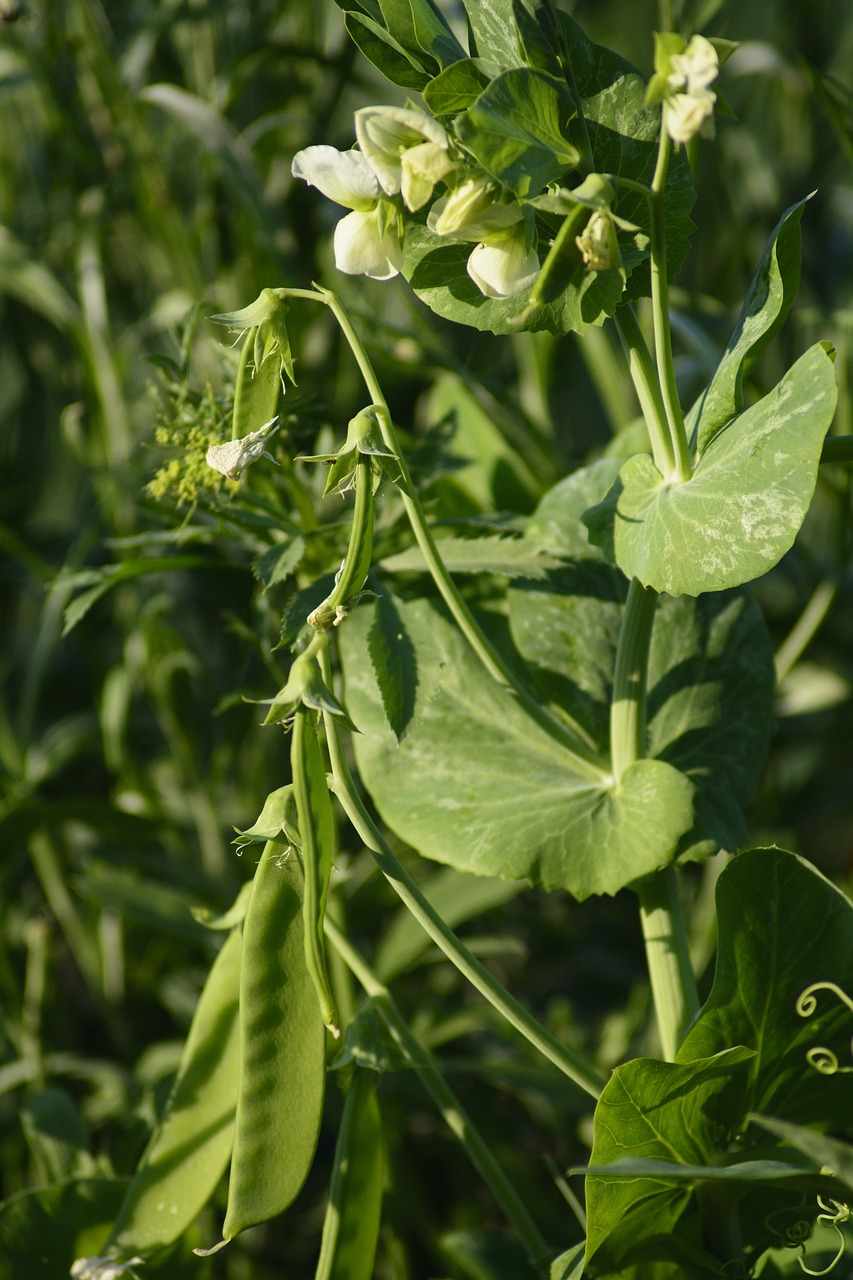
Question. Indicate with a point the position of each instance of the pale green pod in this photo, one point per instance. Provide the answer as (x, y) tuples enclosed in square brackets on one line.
[(351, 1225)]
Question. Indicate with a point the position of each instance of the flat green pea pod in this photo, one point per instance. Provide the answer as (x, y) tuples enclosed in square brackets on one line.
[(317, 832), (282, 1051), (351, 1226), (256, 390), (189, 1152)]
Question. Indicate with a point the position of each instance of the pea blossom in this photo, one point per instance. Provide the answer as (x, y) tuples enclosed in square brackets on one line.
[(504, 261), (690, 102), (367, 241), (407, 150)]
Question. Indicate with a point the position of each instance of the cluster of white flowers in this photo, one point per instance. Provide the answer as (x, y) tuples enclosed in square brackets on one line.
[(691, 102), (405, 152)]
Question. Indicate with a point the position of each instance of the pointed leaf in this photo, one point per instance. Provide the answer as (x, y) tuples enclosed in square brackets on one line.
[(744, 505), (768, 301)]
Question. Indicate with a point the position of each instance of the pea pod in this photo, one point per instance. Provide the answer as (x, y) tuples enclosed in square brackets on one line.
[(282, 1051), (356, 566), (256, 390), (317, 832), (351, 1225), (189, 1152)]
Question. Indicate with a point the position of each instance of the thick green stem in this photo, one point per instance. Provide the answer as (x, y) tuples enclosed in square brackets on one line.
[(664, 930), (628, 707), (668, 958), (586, 760), (805, 628), (646, 383), (448, 1104), (682, 469), (585, 1076)]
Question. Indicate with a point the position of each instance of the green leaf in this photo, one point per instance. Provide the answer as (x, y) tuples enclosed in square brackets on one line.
[(398, 17), (539, 34), (569, 1265), (744, 505), (43, 1232), (827, 1153), (624, 133), (518, 130), (280, 561), (351, 1224), (433, 34), (493, 30), (282, 1057), (782, 926), (505, 556), (768, 301), (659, 1111), (458, 86), (503, 798), (393, 658), (100, 581), (56, 1134), (710, 678), (189, 1152), (158, 905), (384, 52)]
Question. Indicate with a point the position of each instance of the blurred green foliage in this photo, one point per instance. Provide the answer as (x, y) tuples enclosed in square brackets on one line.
[(145, 158)]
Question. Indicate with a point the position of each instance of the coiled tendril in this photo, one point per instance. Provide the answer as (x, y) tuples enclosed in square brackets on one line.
[(797, 1233), (820, 1057)]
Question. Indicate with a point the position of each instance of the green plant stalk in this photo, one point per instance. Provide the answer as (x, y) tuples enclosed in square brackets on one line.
[(583, 1075), (646, 384), (682, 470), (664, 931), (447, 1103), (586, 760), (354, 570), (805, 628)]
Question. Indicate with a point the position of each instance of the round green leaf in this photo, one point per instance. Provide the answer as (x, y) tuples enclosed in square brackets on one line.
[(476, 784), (744, 505)]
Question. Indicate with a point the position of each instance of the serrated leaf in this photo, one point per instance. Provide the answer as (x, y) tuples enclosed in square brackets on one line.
[(744, 505), (769, 299), (280, 561), (405, 680), (506, 557), (504, 798)]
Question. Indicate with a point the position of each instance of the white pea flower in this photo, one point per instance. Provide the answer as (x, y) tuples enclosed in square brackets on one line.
[(406, 149), (690, 102), (232, 458), (505, 263), (367, 241)]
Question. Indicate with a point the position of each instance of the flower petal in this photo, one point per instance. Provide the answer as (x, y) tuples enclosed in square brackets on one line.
[(470, 213), (363, 248), (386, 133), (505, 266), (343, 176)]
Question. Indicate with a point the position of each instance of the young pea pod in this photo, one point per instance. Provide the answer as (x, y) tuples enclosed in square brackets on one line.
[(564, 262), (317, 832), (282, 1051), (351, 1225), (356, 566), (189, 1152)]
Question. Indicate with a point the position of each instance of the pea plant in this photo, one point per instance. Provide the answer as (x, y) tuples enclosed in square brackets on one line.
[(580, 701)]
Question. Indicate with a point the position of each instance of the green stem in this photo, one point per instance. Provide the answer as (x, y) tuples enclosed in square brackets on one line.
[(646, 383), (447, 1103), (668, 958), (805, 628), (586, 759), (682, 469), (585, 1076), (664, 930), (628, 706)]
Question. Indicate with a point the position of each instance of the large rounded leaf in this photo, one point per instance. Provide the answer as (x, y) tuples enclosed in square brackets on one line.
[(477, 784)]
